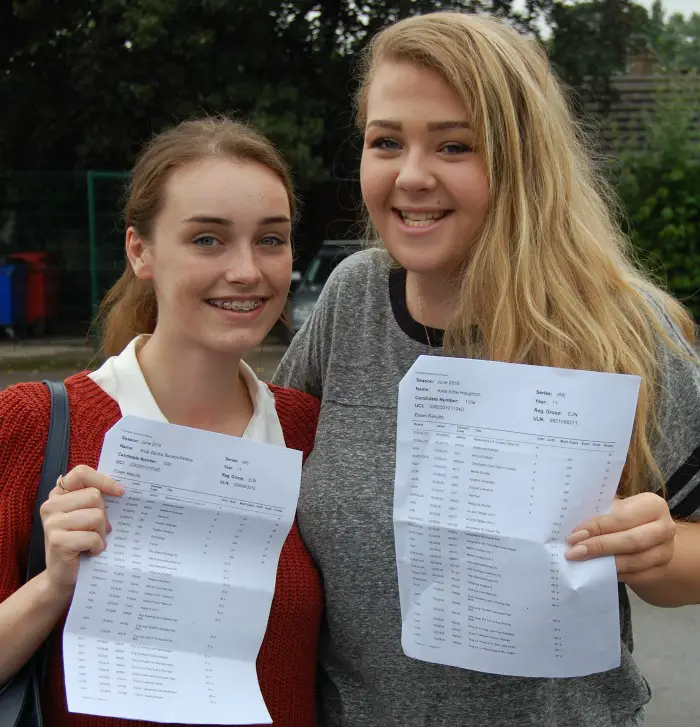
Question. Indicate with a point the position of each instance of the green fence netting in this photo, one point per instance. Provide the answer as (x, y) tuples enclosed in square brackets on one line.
[(74, 218)]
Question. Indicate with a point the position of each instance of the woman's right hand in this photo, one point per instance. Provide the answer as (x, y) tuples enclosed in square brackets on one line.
[(75, 522)]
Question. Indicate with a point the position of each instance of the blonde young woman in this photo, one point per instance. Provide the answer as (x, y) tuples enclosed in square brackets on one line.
[(209, 218), (494, 240)]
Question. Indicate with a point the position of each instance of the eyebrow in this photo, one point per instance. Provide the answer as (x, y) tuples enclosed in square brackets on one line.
[(224, 222), (447, 125), (432, 125)]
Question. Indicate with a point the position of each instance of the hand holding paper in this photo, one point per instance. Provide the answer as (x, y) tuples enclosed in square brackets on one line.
[(75, 522), (639, 531)]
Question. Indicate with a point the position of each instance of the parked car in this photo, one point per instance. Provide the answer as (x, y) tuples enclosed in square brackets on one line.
[(309, 288)]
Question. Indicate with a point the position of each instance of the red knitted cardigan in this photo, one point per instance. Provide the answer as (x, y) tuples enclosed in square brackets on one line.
[(287, 661)]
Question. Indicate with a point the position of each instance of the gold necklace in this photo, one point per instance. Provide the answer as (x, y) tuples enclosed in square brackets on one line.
[(425, 328)]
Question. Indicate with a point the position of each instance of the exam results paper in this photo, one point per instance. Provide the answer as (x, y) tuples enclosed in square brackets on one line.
[(496, 463), (166, 624)]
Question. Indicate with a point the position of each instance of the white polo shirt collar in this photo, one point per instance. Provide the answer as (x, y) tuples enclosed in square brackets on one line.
[(121, 377)]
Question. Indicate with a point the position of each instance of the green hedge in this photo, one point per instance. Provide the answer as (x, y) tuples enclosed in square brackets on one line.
[(659, 187)]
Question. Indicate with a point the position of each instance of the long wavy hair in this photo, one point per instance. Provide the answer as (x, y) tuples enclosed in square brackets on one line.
[(551, 279), (130, 307)]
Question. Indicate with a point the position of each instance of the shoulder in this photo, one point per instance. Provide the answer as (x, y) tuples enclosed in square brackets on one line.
[(25, 411), (678, 361), (356, 274), (23, 404), (34, 396), (84, 391), (26, 407), (295, 403), (360, 281), (657, 305), (298, 413), (24, 424), (366, 260), (676, 447), (678, 366), (366, 264)]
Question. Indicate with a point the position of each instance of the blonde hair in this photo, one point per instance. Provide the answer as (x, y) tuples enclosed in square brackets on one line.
[(130, 307), (550, 278)]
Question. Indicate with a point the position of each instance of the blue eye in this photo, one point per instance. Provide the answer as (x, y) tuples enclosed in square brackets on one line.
[(206, 241), (385, 144), (272, 241), (453, 147)]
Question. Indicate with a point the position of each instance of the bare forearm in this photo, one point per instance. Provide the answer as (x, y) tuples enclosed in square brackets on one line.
[(27, 617), (680, 584)]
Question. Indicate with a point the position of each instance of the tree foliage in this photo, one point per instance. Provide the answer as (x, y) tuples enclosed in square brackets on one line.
[(83, 82), (674, 39), (659, 186), (592, 41)]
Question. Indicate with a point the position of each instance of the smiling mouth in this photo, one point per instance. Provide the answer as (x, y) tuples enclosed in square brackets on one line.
[(240, 306), (421, 219)]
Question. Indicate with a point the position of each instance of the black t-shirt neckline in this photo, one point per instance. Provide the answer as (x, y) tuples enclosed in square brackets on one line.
[(411, 327)]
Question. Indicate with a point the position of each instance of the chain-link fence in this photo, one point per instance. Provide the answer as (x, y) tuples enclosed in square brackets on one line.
[(68, 225)]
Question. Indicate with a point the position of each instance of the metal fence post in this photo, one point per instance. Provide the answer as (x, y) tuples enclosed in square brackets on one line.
[(92, 256), (93, 176), (92, 236)]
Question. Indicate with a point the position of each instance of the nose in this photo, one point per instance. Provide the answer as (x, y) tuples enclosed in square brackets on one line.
[(242, 268), (415, 174)]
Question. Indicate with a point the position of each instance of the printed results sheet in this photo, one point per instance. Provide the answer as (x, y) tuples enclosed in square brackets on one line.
[(495, 465), (166, 624)]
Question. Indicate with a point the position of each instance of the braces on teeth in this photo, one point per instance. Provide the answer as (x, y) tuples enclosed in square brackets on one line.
[(235, 305)]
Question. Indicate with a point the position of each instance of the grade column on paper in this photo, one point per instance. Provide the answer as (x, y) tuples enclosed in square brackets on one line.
[(455, 538), (570, 459), (238, 538), (582, 470)]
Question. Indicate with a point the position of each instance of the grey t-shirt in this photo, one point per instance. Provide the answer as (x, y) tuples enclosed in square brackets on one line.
[(352, 353)]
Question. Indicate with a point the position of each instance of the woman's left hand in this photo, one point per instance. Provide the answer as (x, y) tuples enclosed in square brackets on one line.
[(638, 531)]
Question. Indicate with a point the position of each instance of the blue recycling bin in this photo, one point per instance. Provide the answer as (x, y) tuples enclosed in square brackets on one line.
[(13, 295)]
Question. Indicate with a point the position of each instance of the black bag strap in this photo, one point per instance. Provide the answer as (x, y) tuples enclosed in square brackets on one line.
[(55, 464)]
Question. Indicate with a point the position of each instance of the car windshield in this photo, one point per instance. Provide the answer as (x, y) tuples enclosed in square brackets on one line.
[(322, 266)]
